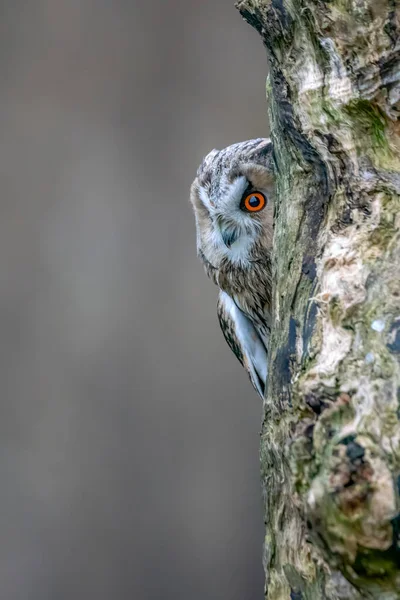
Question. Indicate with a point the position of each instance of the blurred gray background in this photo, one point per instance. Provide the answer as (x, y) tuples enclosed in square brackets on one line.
[(129, 433)]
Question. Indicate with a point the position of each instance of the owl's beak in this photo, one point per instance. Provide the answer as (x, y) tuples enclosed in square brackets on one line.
[(229, 234)]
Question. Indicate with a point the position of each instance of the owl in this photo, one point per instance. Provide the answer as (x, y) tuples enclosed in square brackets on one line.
[(233, 197)]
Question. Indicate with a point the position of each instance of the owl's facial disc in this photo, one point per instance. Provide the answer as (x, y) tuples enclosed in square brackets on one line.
[(233, 198), (231, 223), (233, 226)]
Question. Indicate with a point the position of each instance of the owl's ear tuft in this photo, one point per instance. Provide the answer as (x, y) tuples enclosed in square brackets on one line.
[(263, 153)]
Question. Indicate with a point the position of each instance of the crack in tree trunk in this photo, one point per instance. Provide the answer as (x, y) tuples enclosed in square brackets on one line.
[(330, 444)]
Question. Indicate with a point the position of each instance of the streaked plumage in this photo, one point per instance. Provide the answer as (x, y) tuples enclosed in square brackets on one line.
[(235, 245)]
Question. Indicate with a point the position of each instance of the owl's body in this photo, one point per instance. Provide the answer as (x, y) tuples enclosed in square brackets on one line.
[(232, 197)]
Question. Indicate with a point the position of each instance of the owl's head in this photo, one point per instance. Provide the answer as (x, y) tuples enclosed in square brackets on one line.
[(232, 197)]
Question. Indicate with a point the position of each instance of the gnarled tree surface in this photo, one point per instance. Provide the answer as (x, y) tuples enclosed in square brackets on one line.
[(330, 448)]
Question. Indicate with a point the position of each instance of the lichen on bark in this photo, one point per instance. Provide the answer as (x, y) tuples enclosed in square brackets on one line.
[(330, 444)]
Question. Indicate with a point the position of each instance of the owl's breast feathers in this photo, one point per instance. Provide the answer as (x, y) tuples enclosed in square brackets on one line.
[(250, 288)]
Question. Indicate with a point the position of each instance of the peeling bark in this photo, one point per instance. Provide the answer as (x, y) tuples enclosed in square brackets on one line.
[(330, 444)]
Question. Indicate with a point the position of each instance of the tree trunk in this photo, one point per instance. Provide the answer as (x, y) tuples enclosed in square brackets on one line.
[(330, 444)]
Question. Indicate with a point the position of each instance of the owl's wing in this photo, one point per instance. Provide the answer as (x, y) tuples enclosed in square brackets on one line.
[(243, 340)]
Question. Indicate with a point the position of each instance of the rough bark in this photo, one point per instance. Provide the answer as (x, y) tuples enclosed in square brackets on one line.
[(330, 443)]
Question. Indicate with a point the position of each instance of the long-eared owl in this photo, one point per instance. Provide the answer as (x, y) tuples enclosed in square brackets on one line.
[(233, 197)]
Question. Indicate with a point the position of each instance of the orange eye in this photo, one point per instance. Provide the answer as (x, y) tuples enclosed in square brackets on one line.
[(254, 202)]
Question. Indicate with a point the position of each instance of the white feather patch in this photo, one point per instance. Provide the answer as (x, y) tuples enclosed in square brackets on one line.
[(235, 192), (250, 342)]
